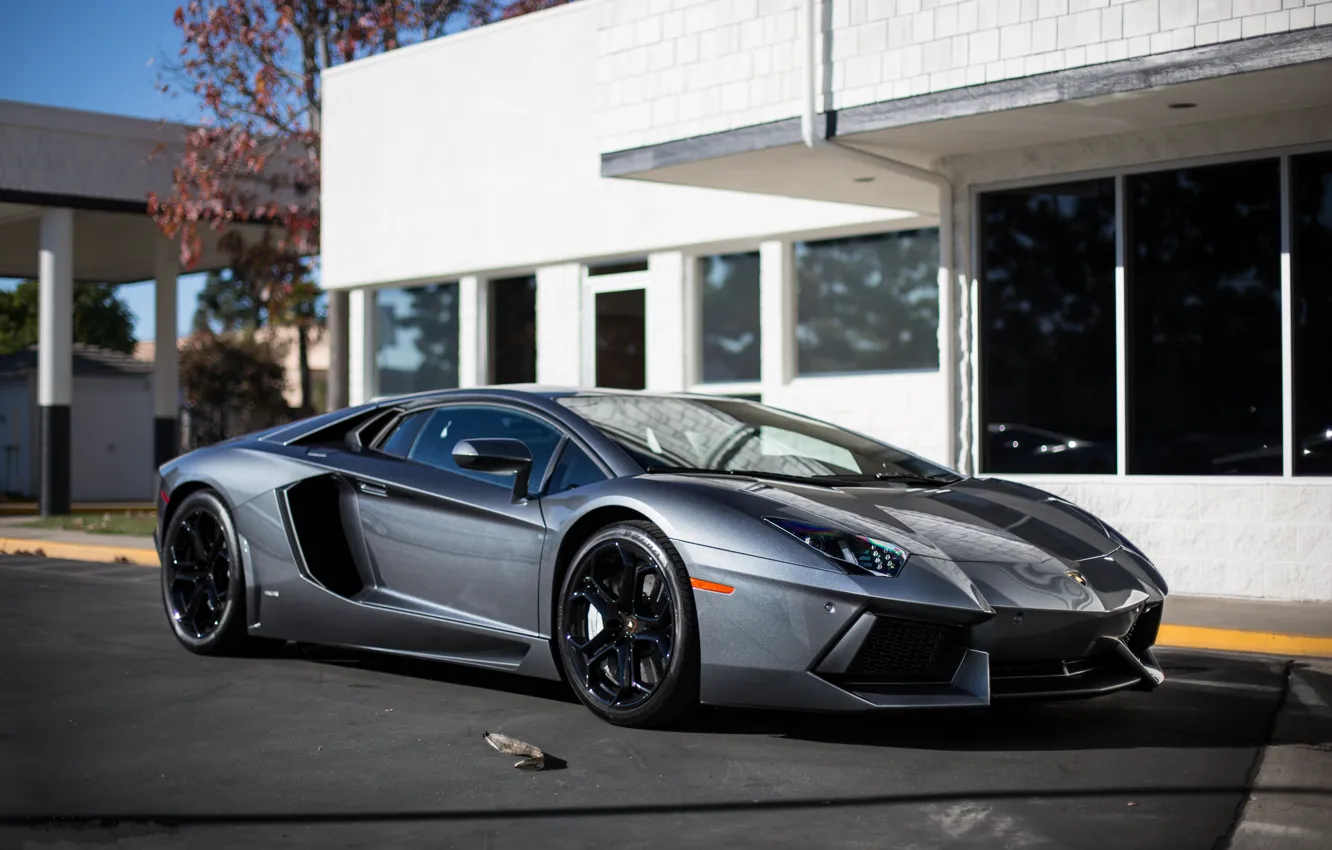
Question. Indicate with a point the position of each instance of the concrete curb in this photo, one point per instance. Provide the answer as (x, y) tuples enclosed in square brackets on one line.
[(1171, 635), (1235, 640), (110, 554)]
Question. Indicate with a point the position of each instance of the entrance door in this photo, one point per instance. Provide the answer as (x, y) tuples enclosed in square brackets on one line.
[(621, 339)]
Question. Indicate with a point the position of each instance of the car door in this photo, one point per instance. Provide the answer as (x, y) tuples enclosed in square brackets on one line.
[(446, 541)]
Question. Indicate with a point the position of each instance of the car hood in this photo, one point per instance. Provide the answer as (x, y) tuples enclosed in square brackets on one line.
[(1017, 544)]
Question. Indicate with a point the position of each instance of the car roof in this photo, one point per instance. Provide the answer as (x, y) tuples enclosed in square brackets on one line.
[(545, 391)]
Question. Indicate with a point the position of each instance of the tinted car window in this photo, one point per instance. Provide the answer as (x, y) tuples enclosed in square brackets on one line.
[(574, 469), (399, 443), (447, 425)]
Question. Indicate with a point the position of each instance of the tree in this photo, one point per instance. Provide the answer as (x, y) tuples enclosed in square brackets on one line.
[(233, 385), (265, 288), (100, 317), (255, 66)]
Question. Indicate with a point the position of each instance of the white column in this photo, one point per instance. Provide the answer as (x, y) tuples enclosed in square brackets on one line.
[(55, 304), (55, 340), (777, 314), (473, 331), (664, 303), (362, 324), (559, 309), (166, 357)]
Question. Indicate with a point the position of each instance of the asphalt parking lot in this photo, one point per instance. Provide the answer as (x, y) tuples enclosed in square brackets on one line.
[(111, 734)]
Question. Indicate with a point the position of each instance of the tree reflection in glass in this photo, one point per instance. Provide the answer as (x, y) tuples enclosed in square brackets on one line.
[(417, 347), (1047, 324), (869, 303)]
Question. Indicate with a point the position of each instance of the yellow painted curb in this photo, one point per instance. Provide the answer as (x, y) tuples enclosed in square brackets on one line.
[(1235, 640), (80, 551)]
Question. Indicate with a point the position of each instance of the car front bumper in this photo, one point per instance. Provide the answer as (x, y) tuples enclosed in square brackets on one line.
[(794, 637)]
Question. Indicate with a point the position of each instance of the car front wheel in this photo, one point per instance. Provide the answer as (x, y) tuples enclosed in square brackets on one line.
[(626, 627)]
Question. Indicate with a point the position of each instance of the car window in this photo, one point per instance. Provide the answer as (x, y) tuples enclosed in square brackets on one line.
[(447, 425), (574, 469), (399, 443)]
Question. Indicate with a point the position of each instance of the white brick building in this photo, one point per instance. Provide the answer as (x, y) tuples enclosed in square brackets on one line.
[(1079, 243)]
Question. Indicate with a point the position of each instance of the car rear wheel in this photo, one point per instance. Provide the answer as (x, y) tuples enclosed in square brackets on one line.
[(203, 585), (626, 627)]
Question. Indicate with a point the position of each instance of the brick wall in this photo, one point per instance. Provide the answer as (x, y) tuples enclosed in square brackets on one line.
[(671, 69), (1270, 539)]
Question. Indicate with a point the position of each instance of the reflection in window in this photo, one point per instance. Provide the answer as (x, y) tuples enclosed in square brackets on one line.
[(869, 303), (417, 345), (452, 423), (1311, 276), (574, 469), (731, 335), (513, 330), (1047, 322), (1205, 320)]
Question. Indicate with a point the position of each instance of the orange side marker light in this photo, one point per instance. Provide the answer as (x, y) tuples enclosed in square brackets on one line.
[(700, 584)]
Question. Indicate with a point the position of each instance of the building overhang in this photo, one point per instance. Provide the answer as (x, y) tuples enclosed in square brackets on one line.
[(1237, 79), (102, 167)]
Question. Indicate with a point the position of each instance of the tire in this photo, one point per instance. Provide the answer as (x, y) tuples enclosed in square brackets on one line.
[(652, 635), (205, 603)]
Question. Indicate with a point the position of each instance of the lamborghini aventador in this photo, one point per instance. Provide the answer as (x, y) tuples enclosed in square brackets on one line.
[(656, 551)]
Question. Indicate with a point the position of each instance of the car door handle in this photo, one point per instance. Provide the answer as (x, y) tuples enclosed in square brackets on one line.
[(373, 490)]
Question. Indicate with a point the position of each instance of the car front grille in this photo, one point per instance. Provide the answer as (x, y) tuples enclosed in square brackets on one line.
[(905, 651)]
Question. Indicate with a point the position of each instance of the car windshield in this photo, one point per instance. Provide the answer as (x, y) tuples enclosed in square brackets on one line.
[(726, 435)]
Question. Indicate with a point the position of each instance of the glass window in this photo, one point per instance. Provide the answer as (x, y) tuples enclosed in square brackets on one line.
[(1047, 324), (447, 425), (1311, 277), (868, 304), (1204, 305), (731, 334), (417, 348), (513, 330), (727, 435), (399, 443), (621, 336), (575, 468)]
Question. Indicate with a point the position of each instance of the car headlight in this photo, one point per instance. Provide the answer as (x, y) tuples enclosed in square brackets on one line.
[(854, 552)]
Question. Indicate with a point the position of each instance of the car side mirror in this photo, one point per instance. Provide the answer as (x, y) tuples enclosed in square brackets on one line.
[(499, 456)]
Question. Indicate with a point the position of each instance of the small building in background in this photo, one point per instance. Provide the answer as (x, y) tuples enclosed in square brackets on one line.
[(111, 426)]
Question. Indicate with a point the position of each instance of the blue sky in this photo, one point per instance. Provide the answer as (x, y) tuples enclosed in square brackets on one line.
[(101, 55)]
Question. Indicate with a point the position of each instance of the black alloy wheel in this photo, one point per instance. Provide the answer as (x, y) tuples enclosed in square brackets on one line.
[(628, 640), (198, 565), (203, 585)]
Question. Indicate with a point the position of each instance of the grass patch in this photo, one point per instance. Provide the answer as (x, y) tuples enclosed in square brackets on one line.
[(137, 523)]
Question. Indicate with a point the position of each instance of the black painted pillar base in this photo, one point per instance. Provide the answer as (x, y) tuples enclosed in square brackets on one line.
[(55, 459), (166, 439)]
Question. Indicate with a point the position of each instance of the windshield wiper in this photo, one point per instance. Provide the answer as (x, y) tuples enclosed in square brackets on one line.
[(904, 477), (746, 473)]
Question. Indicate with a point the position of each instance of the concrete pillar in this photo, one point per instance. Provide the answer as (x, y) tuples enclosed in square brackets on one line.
[(166, 357), (666, 325), (777, 315), (361, 332), (55, 355), (559, 308), (339, 354), (473, 332)]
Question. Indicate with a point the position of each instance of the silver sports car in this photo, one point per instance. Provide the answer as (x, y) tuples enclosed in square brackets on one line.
[(655, 551)]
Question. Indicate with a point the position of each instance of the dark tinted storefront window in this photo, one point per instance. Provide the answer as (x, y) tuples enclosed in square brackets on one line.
[(1311, 276), (868, 304), (1205, 320), (417, 345), (731, 335), (1047, 322), (513, 330), (621, 337)]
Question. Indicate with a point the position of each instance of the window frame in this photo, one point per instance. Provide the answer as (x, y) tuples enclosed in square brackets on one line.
[(565, 436), (974, 359)]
